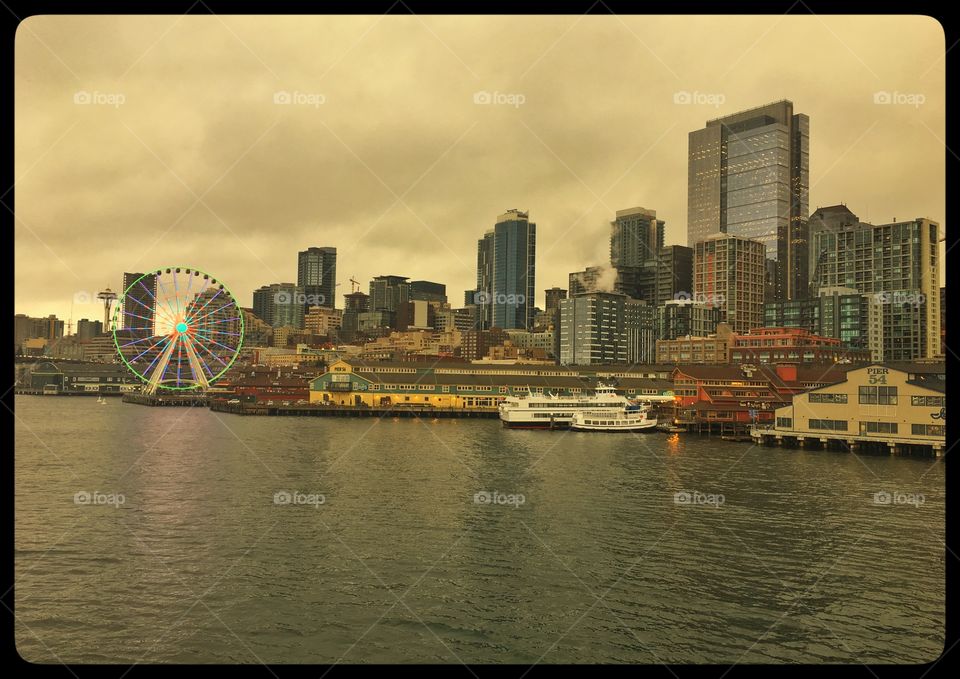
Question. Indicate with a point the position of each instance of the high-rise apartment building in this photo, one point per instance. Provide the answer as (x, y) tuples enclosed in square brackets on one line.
[(900, 264), (139, 303), (317, 276), (728, 272), (280, 304), (636, 236)]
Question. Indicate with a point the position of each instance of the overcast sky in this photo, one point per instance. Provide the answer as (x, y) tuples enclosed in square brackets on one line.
[(144, 142)]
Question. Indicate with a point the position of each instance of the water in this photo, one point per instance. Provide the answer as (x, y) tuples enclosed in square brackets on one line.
[(400, 563)]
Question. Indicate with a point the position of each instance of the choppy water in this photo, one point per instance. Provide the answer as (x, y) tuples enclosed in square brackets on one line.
[(400, 563)]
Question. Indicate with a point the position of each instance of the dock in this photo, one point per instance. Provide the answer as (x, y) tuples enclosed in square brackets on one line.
[(167, 400), (319, 410), (885, 444)]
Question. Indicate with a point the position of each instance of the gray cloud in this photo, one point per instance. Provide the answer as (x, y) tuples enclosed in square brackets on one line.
[(104, 189)]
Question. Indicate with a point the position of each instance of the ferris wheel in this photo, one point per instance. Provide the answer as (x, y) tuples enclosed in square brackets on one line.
[(177, 328)]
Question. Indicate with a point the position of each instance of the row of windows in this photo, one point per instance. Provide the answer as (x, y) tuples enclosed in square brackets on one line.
[(828, 398), (878, 427), (928, 401), (929, 430), (885, 396), (829, 425)]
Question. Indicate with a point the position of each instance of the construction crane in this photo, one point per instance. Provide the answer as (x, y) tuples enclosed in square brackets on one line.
[(354, 284)]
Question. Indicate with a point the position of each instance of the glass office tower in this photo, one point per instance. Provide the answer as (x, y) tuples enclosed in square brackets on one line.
[(749, 176)]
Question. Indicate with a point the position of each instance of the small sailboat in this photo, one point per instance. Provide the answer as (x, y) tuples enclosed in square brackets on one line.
[(101, 399)]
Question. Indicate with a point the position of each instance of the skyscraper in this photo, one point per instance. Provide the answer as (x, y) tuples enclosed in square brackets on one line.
[(898, 262), (636, 236), (428, 291), (87, 329), (605, 327), (139, 303), (830, 218), (388, 293), (748, 175), (674, 273), (279, 304), (592, 329), (506, 272), (553, 297), (484, 281), (728, 271), (317, 276)]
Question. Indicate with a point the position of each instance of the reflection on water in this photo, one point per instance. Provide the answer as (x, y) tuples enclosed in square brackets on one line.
[(612, 556)]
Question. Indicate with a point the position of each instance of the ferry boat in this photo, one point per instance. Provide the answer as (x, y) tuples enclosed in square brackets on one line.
[(632, 418), (550, 411)]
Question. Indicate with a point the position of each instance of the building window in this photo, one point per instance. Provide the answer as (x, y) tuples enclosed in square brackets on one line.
[(885, 396), (828, 398), (928, 430), (878, 427), (829, 425), (928, 401), (785, 423)]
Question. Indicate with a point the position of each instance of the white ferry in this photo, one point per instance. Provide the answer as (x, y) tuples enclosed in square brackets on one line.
[(632, 418), (549, 411)]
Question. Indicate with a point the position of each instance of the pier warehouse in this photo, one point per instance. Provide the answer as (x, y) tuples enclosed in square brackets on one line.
[(900, 407), (469, 385)]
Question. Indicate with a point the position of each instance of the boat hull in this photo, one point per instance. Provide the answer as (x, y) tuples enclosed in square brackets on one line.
[(536, 425), (616, 429)]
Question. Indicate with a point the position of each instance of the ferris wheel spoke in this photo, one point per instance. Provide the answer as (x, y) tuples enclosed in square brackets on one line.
[(195, 331), (194, 319), (202, 343), (157, 309), (141, 303), (212, 341), (145, 339), (156, 344), (196, 364)]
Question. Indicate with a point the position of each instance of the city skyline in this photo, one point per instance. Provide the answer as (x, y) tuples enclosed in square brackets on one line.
[(222, 167)]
